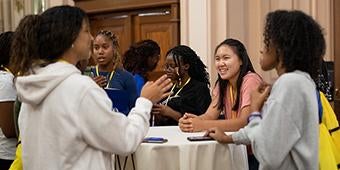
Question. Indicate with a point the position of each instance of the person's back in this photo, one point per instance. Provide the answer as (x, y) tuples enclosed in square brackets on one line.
[(298, 115), (57, 129)]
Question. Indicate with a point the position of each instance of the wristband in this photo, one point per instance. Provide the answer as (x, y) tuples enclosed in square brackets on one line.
[(253, 115)]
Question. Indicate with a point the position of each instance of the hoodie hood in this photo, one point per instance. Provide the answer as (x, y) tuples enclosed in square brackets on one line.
[(34, 88)]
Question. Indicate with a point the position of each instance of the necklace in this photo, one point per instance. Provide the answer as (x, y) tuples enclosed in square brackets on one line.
[(6, 69), (172, 89), (110, 77)]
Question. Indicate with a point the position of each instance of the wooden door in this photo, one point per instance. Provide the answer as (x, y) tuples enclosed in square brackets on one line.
[(159, 22)]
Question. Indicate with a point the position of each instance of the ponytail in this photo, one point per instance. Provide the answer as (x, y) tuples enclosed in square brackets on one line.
[(24, 49)]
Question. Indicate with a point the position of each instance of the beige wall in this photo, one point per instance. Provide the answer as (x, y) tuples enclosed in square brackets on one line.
[(205, 23), (11, 11)]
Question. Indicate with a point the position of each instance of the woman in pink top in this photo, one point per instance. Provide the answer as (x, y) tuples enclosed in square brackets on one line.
[(231, 94)]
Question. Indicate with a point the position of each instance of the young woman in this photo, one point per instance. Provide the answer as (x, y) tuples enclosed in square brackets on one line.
[(7, 97), (231, 95), (190, 92), (66, 120), (141, 58), (108, 72), (284, 133)]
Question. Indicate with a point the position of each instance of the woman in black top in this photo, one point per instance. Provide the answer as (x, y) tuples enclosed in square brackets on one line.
[(190, 92)]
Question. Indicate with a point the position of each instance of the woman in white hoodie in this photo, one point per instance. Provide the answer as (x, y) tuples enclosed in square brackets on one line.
[(66, 121)]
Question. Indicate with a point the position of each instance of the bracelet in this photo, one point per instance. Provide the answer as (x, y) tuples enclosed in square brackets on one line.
[(253, 115)]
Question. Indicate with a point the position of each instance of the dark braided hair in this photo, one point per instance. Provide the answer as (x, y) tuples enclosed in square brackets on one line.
[(5, 46), (42, 39), (137, 56), (185, 55), (239, 49), (298, 40)]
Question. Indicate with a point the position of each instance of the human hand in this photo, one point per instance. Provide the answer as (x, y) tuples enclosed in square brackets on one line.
[(100, 80), (258, 97), (155, 91), (190, 123), (185, 124), (159, 109), (197, 124), (219, 135)]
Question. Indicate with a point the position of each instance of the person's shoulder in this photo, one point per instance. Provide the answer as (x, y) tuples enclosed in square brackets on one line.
[(197, 83), (6, 76), (252, 78), (124, 72), (82, 80), (295, 82), (138, 77), (294, 77)]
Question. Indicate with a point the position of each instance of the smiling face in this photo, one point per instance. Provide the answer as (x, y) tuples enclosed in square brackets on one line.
[(103, 50), (171, 69), (227, 63)]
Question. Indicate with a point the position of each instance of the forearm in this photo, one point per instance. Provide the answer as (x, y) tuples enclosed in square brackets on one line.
[(225, 125), (173, 114)]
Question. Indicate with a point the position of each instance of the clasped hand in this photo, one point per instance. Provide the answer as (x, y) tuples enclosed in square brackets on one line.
[(190, 123)]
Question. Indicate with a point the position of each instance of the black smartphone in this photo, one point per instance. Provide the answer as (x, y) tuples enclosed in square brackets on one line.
[(199, 138), (154, 140)]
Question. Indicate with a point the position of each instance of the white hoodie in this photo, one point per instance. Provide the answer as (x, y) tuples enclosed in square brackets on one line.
[(66, 121)]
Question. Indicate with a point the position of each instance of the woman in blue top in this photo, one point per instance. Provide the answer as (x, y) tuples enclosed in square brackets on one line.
[(141, 58), (107, 73)]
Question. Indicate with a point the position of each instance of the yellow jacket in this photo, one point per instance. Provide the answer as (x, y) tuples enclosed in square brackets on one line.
[(329, 139)]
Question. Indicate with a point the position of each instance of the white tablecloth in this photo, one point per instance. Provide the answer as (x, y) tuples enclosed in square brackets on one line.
[(180, 154)]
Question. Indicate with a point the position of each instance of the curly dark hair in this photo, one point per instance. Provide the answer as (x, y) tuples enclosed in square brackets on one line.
[(298, 40), (240, 50), (137, 56), (5, 46), (197, 69), (42, 39)]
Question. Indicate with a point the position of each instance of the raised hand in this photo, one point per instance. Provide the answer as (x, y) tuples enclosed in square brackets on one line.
[(156, 91), (258, 97)]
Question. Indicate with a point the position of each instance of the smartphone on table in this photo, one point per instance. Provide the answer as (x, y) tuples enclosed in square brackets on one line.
[(154, 140), (199, 138)]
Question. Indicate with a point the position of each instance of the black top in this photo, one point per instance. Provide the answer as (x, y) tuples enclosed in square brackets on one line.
[(193, 98)]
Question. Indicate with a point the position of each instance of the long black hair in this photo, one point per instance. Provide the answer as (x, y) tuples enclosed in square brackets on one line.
[(197, 69), (43, 39), (239, 49)]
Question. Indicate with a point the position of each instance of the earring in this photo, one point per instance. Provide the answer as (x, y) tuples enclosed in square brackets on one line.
[(179, 81), (72, 45)]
